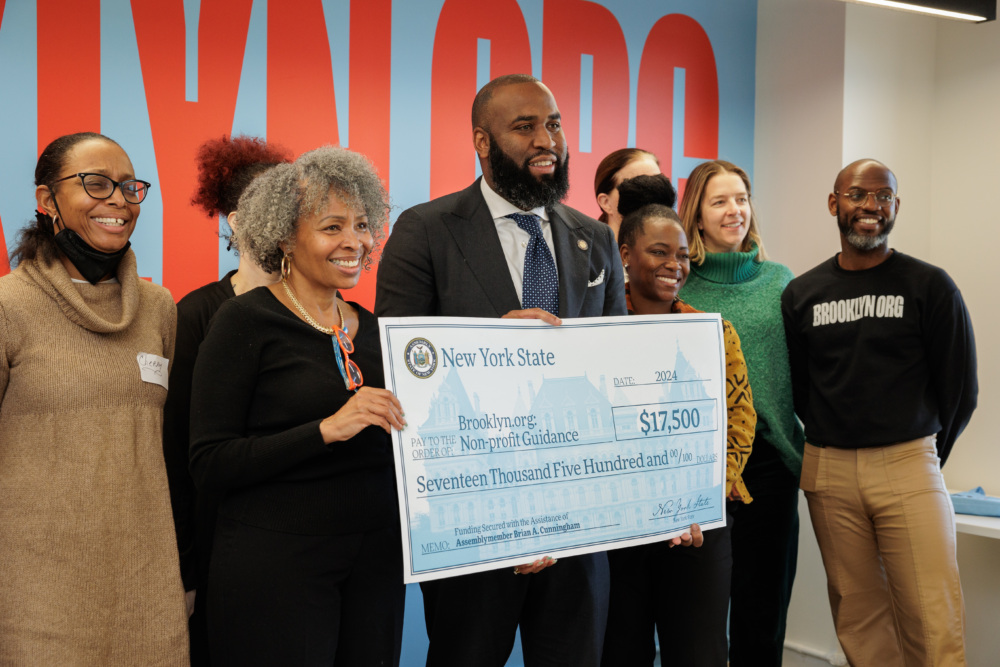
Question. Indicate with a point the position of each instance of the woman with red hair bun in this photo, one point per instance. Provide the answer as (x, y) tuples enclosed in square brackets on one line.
[(226, 166)]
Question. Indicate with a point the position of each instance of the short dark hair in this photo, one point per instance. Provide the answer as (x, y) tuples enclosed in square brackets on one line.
[(634, 224), (481, 105), (636, 192), (39, 236)]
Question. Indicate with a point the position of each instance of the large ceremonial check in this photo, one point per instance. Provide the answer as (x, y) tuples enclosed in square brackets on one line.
[(525, 440)]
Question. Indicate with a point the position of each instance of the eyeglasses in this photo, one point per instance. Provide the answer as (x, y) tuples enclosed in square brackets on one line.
[(859, 197), (348, 369), (100, 186)]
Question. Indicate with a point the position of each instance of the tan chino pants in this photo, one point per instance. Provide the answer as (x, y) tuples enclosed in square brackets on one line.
[(886, 530)]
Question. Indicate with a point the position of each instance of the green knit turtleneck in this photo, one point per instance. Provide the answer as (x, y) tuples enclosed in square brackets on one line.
[(729, 267), (748, 294)]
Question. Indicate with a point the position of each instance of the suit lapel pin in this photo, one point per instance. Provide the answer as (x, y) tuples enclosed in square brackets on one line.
[(581, 244)]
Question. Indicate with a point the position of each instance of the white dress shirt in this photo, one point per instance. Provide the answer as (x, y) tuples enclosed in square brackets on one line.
[(513, 239)]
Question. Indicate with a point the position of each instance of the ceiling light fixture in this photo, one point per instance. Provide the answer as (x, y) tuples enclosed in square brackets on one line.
[(962, 10)]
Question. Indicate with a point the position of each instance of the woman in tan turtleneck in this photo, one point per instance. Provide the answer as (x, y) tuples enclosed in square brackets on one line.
[(90, 572)]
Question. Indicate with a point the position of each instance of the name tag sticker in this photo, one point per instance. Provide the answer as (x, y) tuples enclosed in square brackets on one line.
[(153, 368)]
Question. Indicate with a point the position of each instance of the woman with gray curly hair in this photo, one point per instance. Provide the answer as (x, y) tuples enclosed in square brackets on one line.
[(290, 425)]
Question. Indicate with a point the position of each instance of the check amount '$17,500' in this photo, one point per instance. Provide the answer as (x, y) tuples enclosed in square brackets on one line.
[(669, 422)]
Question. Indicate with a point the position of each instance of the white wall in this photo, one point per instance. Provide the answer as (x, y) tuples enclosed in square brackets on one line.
[(888, 107), (798, 150), (839, 82), (964, 236), (799, 118)]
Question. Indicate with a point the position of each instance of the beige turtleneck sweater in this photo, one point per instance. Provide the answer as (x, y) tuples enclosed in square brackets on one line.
[(89, 570)]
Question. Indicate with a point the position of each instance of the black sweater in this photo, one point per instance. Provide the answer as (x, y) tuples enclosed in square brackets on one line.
[(194, 514), (880, 356), (263, 381)]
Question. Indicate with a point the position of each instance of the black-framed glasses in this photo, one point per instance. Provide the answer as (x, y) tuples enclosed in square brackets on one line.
[(100, 186), (858, 197)]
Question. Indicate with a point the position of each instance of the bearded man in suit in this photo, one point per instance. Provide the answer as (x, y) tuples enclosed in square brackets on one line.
[(467, 254)]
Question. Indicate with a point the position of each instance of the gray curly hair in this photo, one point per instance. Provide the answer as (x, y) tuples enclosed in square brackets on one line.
[(272, 205)]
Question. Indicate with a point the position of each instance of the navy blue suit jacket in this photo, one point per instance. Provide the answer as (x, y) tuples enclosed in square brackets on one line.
[(444, 258)]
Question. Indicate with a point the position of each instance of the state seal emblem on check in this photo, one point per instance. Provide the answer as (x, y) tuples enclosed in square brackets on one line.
[(421, 358)]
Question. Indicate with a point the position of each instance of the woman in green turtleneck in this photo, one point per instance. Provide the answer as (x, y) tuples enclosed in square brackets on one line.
[(730, 274)]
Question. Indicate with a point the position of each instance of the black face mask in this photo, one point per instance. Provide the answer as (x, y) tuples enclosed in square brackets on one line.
[(92, 264)]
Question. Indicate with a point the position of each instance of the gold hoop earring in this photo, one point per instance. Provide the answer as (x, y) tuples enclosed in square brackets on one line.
[(286, 266)]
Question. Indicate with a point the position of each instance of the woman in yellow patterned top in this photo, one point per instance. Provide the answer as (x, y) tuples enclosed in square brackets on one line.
[(683, 593)]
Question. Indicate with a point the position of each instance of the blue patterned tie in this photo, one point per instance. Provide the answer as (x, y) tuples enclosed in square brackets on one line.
[(540, 282)]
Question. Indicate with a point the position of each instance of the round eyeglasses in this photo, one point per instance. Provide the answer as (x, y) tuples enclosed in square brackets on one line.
[(100, 186), (859, 197)]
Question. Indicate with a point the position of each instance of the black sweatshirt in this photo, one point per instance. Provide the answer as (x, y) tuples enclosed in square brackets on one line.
[(263, 381), (880, 356)]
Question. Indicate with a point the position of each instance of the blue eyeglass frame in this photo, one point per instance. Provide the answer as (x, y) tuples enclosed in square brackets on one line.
[(349, 370)]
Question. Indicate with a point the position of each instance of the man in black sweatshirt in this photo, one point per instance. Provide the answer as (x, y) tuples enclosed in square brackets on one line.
[(884, 377)]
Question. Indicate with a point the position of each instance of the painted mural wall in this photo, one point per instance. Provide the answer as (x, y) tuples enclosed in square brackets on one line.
[(391, 79)]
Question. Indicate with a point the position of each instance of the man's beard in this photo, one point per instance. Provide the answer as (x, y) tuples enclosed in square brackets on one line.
[(518, 185), (864, 242)]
